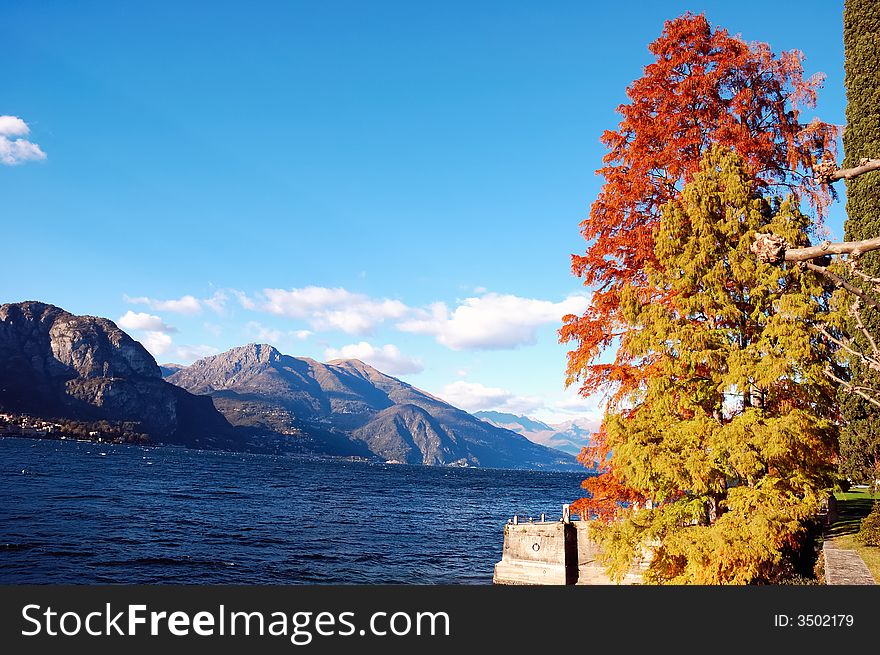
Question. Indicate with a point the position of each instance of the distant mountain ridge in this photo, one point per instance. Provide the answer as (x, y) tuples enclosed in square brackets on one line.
[(526, 423), (54, 364), (569, 437), (354, 406), (85, 370), (169, 369)]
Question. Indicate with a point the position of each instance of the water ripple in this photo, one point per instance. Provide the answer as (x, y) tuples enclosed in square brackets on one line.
[(200, 517)]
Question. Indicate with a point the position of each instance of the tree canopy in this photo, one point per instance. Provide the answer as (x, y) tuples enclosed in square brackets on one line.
[(726, 448), (860, 439), (704, 88)]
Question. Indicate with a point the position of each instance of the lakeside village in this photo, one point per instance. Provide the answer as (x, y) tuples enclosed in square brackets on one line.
[(24, 425)]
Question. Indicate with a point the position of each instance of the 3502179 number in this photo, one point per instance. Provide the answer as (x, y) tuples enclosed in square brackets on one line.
[(825, 620)]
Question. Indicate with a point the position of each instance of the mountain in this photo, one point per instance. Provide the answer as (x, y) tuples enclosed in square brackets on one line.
[(521, 424), (569, 437), (169, 369), (56, 365), (408, 433), (355, 406)]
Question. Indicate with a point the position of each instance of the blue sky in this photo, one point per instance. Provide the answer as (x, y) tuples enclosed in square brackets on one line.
[(395, 181)]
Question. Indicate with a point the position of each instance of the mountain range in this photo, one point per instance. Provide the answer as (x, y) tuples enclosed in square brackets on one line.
[(569, 437), (348, 404), (56, 365)]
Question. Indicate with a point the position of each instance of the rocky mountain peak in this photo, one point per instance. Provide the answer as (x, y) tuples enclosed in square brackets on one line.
[(80, 346), (252, 353), (55, 364), (346, 404)]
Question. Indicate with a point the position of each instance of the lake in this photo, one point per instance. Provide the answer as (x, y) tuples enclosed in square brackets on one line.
[(91, 513)]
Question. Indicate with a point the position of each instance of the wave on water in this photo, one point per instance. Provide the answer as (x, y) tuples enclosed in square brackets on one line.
[(219, 518)]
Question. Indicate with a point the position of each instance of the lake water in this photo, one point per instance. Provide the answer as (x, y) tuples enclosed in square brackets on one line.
[(89, 513)]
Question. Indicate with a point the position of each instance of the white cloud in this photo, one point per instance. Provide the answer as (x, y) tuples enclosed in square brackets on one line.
[(188, 354), (18, 151), (274, 336), (188, 305), (217, 302), (300, 303), (262, 333), (576, 403), (143, 321), (387, 358), (14, 149), (327, 308), (473, 396), (13, 126), (361, 317), (571, 406), (244, 300), (158, 343), (162, 347), (491, 321), (155, 334)]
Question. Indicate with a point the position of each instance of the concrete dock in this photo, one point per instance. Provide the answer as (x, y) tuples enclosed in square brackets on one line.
[(554, 553)]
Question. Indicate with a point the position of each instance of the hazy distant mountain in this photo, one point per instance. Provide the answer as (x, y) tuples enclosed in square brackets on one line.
[(356, 407), (569, 437), (56, 365), (169, 369), (522, 424)]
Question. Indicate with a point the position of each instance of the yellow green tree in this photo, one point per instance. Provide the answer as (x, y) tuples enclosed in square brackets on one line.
[(732, 444)]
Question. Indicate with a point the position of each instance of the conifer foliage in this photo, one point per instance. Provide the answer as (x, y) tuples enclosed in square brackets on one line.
[(730, 443), (860, 440), (704, 88)]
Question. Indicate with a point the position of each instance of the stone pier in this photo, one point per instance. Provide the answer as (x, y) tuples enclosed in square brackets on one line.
[(554, 553)]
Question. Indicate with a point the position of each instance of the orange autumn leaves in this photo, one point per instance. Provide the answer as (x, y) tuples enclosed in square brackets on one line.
[(704, 87)]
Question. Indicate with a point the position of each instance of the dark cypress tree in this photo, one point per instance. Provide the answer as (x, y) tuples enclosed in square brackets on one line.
[(860, 440)]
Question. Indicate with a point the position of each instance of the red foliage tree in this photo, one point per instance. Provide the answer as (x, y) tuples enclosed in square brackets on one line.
[(704, 87)]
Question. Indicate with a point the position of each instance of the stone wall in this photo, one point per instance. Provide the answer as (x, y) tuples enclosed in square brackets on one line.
[(538, 553), (557, 553), (590, 571)]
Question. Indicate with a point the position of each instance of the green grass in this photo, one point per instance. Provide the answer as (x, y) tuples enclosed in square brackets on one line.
[(855, 494), (852, 507)]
